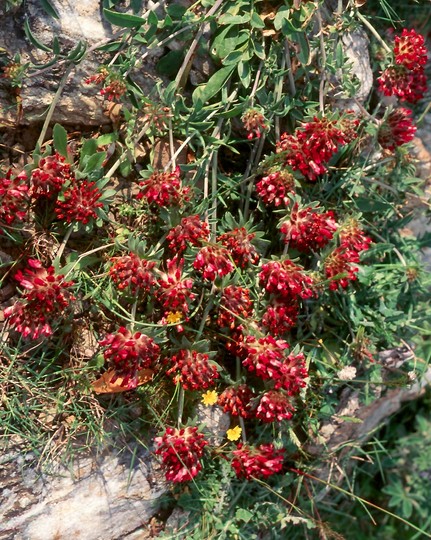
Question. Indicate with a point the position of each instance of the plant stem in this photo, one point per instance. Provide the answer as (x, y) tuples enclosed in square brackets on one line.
[(373, 31), (64, 242), (53, 105)]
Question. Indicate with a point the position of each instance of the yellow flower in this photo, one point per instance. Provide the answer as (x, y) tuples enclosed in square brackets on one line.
[(210, 397), (234, 434), (174, 317)]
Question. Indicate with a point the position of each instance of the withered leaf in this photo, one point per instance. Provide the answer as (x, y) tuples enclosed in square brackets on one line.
[(104, 384)]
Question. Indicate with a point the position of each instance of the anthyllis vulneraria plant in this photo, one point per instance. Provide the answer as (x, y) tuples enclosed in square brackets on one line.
[(260, 272)]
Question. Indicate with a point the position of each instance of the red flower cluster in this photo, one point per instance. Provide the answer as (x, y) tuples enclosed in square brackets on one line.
[(261, 461), (274, 405), (238, 243), (13, 197), (254, 123), (164, 189), (340, 267), (307, 229), (78, 202), (235, 302), (133, 273), (352, 236), (236, 400), (181, 450), (407, 85), (114, 90), (311, 147), (274, 188), (49, 177), (410, 50), (45, 302), (286, 280), (128, 353), (280, 317), (397, 129), (192, 370), (265, 356), (213, 262), (293, 374), (175, 290), (406, 79), (191, 230)]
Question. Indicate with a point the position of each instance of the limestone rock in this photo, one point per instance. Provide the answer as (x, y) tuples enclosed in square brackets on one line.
[(110, 498)]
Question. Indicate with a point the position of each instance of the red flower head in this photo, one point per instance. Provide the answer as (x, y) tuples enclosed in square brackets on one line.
[(191, 230), (407, 85), (133, 274), (274, 405), (260, 461), (308, 230), (235, 302), (235, 340), (293, 374), (164, 189), (236, 400), (410, 50), (128, 353), (254, 123), (341, 262), (265, 356), (175, 290), (45, 301), (274, 188), (49, 177), (286, 280), (238, 243), (78, 202), (280, 318), (192, 370), (13, 197), (310, 148), (397, 129), (181, 450), (213, 262), (114, 89), (352, 237)]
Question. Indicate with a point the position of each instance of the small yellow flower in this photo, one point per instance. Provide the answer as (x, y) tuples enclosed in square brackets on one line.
[(210, 397), (234, 434), (174, 317)]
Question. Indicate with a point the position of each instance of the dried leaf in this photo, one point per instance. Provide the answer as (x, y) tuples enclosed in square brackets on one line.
[(103, 385)]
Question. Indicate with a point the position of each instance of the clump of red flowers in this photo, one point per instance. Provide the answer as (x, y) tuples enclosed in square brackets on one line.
[(13, 197), (311, 147), (397, 129), (113, 87), (280, 317), (286, 280), (236, 400), (128, 353), (257, 461), (235, 303), (274, 405), (254, 123), (275, 187), (181, 450), (164, 189), (307, 229), (48, 178), (213, 262), (78, 202), (192, 370), (191, 230), (406, 78), (239, 244), (175, 289), (45, 301), (132, 274), (410, 50), (265, 356)]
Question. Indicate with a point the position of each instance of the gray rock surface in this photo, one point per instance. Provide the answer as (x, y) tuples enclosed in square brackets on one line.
[(110, 498)]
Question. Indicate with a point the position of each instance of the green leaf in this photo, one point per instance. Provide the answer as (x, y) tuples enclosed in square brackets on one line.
[(49, 8), (256, 21), (244, 74), (125, 20), (170, 63), (205, 92), (78, 52), (95, 162), (282, 15), (30, 36), (304, 47), (227, 18), (60, 139), (56, 46), (243, 515)]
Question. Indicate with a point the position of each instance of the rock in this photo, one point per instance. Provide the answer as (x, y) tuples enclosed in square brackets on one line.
[(113, 497), (216, 422), (80, 104)]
